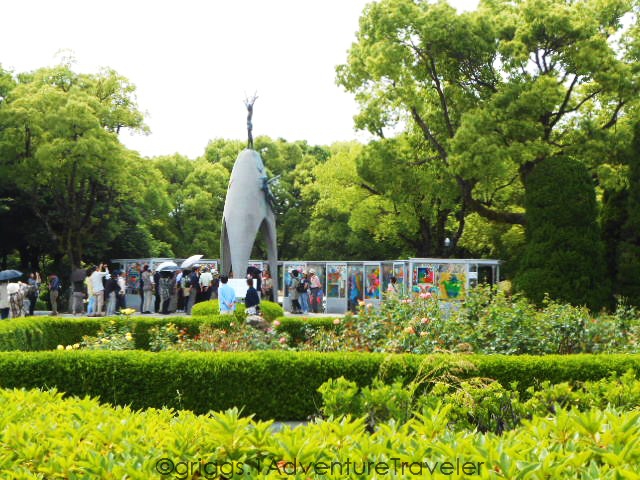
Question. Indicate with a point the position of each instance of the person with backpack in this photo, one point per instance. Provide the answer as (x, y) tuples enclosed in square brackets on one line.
[(55, 287), (294, 293), (194, 284), (303, 290)]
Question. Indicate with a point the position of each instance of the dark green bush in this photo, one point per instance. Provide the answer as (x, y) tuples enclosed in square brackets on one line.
[(45, 333), (278, 385), (564, 254)]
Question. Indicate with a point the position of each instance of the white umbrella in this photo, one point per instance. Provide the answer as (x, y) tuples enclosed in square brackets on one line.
[(189, 262), (167, 266)]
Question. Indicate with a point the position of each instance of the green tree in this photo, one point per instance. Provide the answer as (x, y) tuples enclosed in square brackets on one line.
[(194, 191), (59, 144), (349, 220), (488, 96)]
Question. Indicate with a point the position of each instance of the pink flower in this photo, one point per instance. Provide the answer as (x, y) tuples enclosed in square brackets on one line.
[(336, 321), (409, 330), (406, 300), (425, 295), (276, 323), (283, 340), (424, 320)]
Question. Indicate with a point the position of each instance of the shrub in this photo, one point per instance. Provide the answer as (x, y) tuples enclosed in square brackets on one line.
[(212, 307), (46, 333), (46, 436), (564, 255), (270, 310), (271, 384)]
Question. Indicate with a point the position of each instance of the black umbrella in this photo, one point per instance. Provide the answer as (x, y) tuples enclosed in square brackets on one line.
[(9, 275)]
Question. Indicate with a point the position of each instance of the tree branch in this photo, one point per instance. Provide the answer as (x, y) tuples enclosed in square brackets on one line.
[(614, 116), (441, 95), (466, 187), (427, 131)]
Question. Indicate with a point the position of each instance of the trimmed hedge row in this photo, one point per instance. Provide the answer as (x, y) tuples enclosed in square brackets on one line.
[(46, 333), (271, 385)]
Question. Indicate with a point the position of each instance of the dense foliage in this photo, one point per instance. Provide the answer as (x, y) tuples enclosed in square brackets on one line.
[(46, 436), (271, 384), (474, 403), (563, 257), (488, 322)]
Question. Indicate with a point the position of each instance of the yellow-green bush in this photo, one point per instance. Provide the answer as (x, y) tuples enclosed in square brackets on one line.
[(44, 436), (270, 310)]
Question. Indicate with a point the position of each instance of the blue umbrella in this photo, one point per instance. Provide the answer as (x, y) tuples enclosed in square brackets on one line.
[(9, 275)]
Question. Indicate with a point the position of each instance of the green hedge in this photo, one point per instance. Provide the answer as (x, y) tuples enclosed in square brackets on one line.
[(296, 326), (278, 385), (46, 333), (270, 310)]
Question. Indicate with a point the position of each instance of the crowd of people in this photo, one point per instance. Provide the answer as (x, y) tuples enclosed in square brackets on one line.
[(18, 299), (305, 292), (97, 292)]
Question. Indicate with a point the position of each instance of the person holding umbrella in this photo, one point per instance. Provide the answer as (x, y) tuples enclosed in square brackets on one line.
[(5, 296)]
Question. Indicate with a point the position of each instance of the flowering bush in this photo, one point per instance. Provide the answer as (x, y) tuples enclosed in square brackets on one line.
[(164, 337), (488, 321), (114, 335), (238, 337)]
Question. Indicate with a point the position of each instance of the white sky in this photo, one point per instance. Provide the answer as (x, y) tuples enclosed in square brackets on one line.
[(194, 61)]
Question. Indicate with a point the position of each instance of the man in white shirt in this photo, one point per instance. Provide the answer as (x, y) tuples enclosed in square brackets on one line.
[(98, 288), (205, 284), (122, 292)]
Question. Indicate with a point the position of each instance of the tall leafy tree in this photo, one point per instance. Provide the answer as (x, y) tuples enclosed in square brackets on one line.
[(194, 191), (495, 93), (60, 146)]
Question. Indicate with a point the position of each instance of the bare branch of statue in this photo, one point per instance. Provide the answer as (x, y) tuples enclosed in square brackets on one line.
[(248, 102)]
